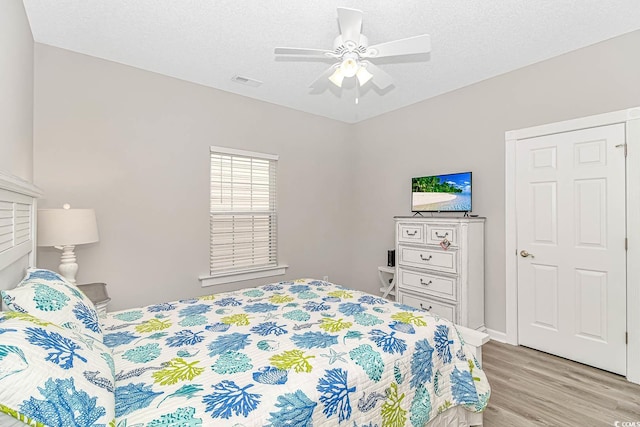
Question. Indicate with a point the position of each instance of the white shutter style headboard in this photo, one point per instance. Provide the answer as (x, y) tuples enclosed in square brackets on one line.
[(17, 228)]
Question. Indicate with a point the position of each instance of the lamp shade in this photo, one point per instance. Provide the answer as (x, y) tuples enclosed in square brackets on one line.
[(337, 77), (66, 227), (363, 76)]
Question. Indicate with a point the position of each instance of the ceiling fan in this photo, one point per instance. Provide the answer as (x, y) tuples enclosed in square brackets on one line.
[(353, 54)]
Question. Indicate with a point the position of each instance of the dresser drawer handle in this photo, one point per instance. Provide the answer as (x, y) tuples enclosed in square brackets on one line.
[(426, 284), (411, 234), (426, 309), (427, 258), (441, 236)]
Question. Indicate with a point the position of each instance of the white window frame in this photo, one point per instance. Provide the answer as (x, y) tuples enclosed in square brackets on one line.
[(248, 273)]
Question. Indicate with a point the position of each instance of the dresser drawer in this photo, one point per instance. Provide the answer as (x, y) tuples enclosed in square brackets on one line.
[(429, 258), (430, 284), (444, 310), (411, 233), (437, 233)]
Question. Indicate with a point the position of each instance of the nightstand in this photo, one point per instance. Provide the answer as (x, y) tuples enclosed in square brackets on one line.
[(387, 277), (97, 293)]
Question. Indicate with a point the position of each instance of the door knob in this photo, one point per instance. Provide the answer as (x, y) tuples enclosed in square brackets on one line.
[(525, 254)]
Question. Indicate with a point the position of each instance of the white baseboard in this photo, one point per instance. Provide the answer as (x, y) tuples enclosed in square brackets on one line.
[(497, 335)]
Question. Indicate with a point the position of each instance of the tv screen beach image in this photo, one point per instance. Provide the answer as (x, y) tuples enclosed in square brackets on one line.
[(441, 193)]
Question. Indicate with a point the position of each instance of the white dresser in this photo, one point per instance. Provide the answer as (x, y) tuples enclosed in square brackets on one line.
[(440, 267)]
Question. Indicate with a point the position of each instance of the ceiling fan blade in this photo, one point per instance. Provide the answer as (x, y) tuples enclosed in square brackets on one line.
[(323, 81), (408, 46), (301, 51), (350, 21), (380, 78)]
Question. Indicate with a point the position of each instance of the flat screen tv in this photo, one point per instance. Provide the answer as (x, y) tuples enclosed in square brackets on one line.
[(441, 193)]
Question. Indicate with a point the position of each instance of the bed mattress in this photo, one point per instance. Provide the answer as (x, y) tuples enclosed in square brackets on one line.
[(303, 353)]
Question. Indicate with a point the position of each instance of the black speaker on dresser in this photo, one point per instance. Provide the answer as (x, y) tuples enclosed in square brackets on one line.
[(391, 258)]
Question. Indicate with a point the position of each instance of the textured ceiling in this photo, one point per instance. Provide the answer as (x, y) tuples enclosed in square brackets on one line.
[(210, 41)]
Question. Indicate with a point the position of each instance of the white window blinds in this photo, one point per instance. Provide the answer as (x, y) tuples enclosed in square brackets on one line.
[(243, 210)]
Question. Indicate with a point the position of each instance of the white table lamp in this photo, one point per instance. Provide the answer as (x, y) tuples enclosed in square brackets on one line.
[(64, 229)]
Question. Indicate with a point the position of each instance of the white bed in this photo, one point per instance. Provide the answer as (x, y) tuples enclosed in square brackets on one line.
[(17, 198)]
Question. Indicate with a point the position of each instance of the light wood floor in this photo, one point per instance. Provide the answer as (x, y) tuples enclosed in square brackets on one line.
[(531, 388)]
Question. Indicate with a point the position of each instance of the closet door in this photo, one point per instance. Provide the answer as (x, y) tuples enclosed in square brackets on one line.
[(570, 202)]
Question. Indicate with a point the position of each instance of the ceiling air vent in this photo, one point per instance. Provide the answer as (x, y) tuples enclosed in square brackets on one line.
[(246, 81)]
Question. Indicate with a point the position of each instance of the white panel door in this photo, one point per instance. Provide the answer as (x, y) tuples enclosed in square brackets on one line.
[(570, 203)]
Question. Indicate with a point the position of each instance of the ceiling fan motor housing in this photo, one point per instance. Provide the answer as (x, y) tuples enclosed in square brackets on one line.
[(341, 47)]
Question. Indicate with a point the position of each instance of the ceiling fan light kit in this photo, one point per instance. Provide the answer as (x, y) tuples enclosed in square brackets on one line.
[(337, 77), (350, 64), (363, 76), (348, 68), (352, 51)]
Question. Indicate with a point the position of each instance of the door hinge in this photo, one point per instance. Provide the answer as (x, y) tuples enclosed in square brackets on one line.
[(623, 146), (626, 243), (626, 337)]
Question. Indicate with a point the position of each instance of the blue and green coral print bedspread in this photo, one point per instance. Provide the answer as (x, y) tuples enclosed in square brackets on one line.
[(303, 353)]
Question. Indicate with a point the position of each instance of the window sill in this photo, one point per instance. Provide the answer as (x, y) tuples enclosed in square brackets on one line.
[(238, 276)]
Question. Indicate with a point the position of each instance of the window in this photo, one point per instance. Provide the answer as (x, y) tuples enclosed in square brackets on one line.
[(243, 216)]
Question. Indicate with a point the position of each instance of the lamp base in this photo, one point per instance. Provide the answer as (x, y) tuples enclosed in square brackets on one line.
[(68, 267)]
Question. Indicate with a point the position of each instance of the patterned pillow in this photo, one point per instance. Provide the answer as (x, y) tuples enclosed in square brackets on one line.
[(52, 375), (44, 294), (43, 275)]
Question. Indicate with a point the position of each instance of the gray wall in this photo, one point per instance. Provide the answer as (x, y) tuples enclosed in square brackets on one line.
[(16, 90), (464, 130), (134, 146)]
